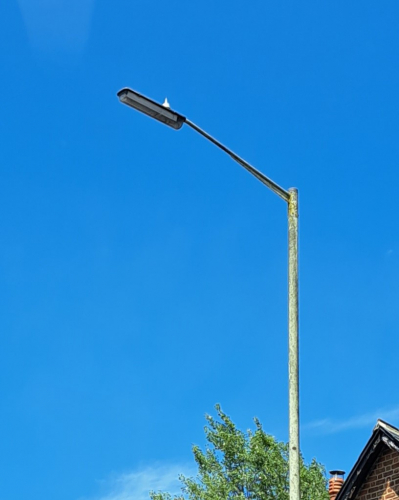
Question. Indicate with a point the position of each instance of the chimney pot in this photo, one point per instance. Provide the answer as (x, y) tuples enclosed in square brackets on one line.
[(335, 483)]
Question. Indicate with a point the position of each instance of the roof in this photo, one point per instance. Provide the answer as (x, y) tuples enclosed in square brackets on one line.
[(384, 435)]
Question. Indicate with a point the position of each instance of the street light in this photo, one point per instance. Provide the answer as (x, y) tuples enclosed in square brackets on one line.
[(164, 114), (151, 108)]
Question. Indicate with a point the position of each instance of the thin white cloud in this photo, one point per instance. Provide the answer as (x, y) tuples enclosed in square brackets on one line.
[(57, 24), (331, 426), (137, 484)]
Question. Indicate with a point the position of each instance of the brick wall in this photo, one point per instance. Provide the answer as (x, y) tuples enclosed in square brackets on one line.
[(383, 481)]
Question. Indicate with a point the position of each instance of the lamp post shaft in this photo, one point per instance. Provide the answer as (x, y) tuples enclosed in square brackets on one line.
[(293, 351)]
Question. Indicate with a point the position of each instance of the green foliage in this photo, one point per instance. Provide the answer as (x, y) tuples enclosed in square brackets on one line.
[(239, 466)]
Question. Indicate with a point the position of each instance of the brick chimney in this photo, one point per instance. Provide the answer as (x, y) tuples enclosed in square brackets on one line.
[(335, 483)]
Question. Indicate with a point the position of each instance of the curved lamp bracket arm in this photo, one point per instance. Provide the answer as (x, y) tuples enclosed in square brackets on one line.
[(285, 195)]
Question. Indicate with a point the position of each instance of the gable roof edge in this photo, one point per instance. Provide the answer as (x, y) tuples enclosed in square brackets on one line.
[(383, 435)]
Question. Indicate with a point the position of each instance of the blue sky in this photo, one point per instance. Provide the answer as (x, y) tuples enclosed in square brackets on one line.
[(143, 273)]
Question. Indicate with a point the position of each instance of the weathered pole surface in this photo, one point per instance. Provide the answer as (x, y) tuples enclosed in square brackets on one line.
[(293, 345)]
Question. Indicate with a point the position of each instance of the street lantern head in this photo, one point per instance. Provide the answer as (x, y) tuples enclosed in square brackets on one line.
[(151, 108)]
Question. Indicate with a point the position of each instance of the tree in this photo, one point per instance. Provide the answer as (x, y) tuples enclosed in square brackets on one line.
[(249, 465)]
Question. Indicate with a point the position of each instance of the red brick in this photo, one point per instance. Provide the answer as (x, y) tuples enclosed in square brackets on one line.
[(384, 475)]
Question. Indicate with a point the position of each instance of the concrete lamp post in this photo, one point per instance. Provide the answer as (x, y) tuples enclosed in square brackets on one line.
[(164, 114)]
